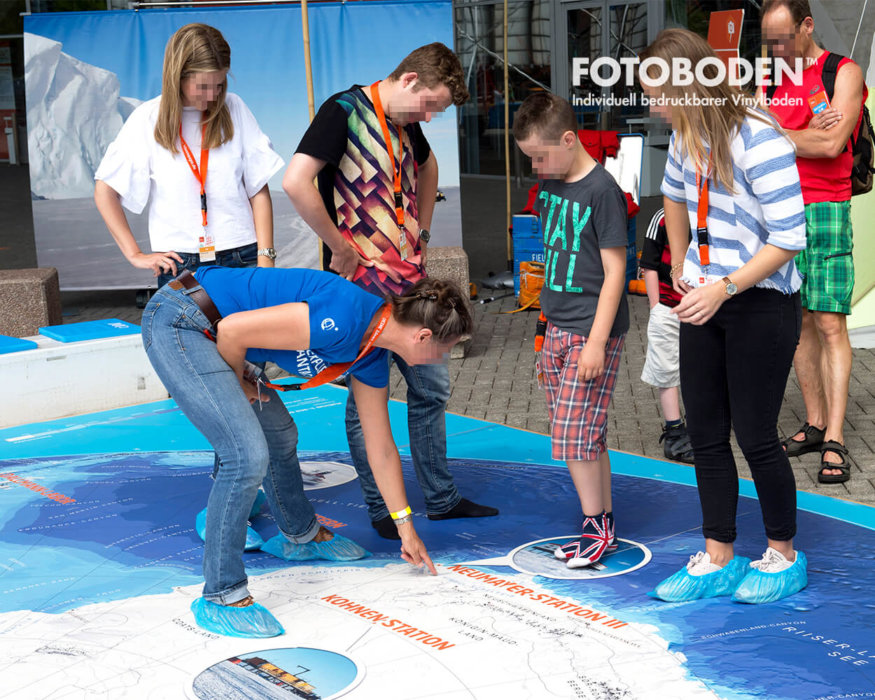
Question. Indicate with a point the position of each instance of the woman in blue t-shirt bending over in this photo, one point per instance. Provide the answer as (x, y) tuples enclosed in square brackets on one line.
[(310, 323)]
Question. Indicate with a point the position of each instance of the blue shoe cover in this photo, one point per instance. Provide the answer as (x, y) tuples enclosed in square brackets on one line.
[(260, 500), (339, 548), (253, 539), (682, 585), (761, 587), (252, 621)]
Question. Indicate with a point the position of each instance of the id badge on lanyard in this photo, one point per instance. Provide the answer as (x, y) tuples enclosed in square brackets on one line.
[(206, 247), (403, 244)]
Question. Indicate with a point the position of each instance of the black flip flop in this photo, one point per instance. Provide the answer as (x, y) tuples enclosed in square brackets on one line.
[(843, 466), (812, 442)]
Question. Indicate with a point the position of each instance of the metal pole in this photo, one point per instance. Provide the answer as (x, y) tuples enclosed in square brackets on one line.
[(507, 147)]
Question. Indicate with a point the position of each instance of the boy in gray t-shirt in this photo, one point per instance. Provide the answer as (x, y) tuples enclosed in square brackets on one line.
[(584, 218)]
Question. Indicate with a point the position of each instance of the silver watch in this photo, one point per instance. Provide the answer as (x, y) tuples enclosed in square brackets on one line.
[(424, 235), (268, 253)]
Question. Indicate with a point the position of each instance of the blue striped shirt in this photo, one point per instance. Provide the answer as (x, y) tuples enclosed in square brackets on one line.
[(766, 208)]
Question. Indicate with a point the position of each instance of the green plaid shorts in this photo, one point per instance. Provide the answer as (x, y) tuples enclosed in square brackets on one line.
[(827, 263)]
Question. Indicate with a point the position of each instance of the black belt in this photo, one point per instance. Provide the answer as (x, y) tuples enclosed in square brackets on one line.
[(199, 296)]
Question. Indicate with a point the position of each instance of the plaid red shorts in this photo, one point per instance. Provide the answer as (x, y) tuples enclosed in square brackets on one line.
[(578, 410)]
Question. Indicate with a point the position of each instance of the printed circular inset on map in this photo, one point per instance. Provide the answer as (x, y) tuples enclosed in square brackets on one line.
[(537, 558), (323, 475), (278, 674)]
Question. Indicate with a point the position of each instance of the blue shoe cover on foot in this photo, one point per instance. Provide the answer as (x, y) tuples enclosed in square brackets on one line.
[(761, 587), (682, 585), (260, 500), (339, 548), (252, 621), (253, 539)]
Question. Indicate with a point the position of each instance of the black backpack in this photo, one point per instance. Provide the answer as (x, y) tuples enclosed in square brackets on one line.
[(863, 146)]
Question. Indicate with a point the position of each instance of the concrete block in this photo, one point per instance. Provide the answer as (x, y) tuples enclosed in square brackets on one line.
[(451, 263), (29, 299)]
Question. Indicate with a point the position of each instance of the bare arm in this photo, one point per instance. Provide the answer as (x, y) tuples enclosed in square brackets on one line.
[(591, 363), (847, 99), (677, 228), (262, 215), (298, 183), (426, 195), (283, 327), (651, 283), (110, 207), (386, 465)]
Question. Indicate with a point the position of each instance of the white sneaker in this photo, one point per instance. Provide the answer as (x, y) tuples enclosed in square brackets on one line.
[(700, 564), (773, 562)]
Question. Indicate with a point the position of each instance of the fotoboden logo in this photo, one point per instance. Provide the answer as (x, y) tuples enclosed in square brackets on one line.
[(607, 71)]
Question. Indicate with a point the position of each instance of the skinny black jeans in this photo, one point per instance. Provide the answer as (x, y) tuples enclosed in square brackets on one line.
[(734, 371)]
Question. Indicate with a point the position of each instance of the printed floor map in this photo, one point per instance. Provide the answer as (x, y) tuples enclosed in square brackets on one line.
[(99, 562)]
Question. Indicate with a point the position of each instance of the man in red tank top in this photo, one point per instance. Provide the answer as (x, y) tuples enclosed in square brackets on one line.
[(821, 127)]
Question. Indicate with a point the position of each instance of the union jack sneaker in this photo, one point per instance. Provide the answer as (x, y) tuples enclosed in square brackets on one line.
[(612, 544), (591, 546)]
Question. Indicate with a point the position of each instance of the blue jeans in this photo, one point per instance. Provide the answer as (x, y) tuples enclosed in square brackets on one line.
[(244, 256), (428, 390), (254, 444)]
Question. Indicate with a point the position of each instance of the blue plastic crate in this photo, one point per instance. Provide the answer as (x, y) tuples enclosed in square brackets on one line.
[(526, 226)]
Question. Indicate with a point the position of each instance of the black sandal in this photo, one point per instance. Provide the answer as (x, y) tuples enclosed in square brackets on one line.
[(812, 442), (843, 466)]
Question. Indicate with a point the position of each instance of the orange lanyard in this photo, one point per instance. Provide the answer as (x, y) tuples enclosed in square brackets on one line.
[(702, 217), (200, 173), (329, 374), (396, 173)]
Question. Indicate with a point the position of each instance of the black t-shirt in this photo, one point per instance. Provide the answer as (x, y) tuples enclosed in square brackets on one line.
[(346, 134), (656, 255), (579, 219)]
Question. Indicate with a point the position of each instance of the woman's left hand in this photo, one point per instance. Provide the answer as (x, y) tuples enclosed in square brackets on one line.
[(413, 549), (701, 303)]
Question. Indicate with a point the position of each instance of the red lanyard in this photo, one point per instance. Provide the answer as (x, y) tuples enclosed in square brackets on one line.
[(329, 374), (702, 217), (200, 173), (396, 173)]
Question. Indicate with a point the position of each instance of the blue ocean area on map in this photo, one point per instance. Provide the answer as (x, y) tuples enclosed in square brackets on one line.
[(146, 475)]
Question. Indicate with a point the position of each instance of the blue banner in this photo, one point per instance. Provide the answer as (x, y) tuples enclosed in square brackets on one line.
[(86, 71)]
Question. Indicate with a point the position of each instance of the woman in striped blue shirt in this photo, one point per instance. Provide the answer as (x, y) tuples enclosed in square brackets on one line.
[(731, 179)]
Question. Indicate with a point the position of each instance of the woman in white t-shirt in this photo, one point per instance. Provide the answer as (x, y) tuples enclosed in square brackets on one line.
[(157, 158)]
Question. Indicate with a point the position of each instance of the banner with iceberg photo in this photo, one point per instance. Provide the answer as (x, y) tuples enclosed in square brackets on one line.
[(85, 72)]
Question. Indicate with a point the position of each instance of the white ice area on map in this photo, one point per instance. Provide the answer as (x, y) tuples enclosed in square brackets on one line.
[(472, 639)]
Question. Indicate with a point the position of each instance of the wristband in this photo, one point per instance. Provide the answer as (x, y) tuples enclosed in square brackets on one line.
[(401, 513), (404, 520)]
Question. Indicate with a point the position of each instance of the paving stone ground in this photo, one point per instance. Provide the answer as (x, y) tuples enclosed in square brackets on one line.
[(496, 382)]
